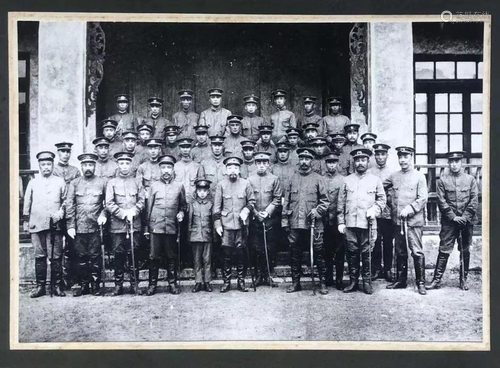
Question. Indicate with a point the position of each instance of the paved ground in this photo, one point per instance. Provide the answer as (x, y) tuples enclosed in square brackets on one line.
[(448, 314)]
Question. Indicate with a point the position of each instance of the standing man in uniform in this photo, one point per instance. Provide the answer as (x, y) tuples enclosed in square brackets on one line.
[(284, 168), (409, 196), (283, 118), (105, 166), (361, 199), (125, 199), (201, 149), (310, 132), (234, 202), (233, 141), (321, 150), (346, 162), (85, 213), (334, 241), (369, 140), (248, 166), (144, 132), (338, 141), (126, 121), (43, 207), (186, 119), (215, 117), (149, 170), (130, 146), (158, 122), (293, 138), (265, 143), (385, 234), (335, 122), (458, 201), (165, 212), (68, 173), (171, 144), (310, 115), (251, 121), (109, 132), (305, 200), (268, 193), (186, 170)]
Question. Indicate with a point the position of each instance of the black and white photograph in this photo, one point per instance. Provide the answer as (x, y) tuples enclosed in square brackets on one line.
[(249, 182)]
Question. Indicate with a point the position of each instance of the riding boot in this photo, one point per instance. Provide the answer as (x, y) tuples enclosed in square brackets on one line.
[(402, 274), (420, 274), (296, 256), (80, 276), (58, 277), (119, 273), (329, 273), (173, 284), (41, 277), (339, 272), (441, 262), (465, 270), (95, 274), (226, 268), (153, 277), (353, 263), (365, 273), (133, 276), (241, 269), (321, 265)]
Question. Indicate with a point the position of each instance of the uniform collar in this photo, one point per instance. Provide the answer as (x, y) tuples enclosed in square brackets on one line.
[(308, 114), (263, 174), (186, 159), (59, 163), (284, 162), (167, 181), (305, 172), (155, 117), (201, 201), (282, 108), (248, 161), (217, 109)]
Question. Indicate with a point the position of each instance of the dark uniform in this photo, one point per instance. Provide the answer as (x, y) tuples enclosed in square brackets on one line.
[(248, 166), (186, 120), (346, 163), (124, 194), (409, 193), (319, 164), (232, 200), (269, 147), (360, 194), (166, 199), (105, 168), (215, 118), (251, 122), (458, 202), (201, 151), (312, 117), (139, 155), (283, 119), (116, 142), (294, 158), (84, 205), (188, 171), (149, 170), (159, 123), (306, 194), (232, 144), (172, 149), (334, 241), (126, 121), (385, 230), (335, 123), (268, 193), (369, 137), (43, 202)]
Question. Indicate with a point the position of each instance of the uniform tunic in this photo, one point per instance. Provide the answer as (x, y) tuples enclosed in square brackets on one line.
[(215, 171), (66, 172), (250, 126), (335, 123), (123, 193), (247, 168), (186, 123), (200, 220), (172, 150), (294, 157), (126, 122), (383, 172), (284, 171), (201, 152), (85, 203), (137, 160), (215, 120), (267, 147), (159, 123), (165, 200), (148, 172), (115, 146), (232, 145), (457, 196), (106, 169), (316, 119), (267, 191), (334, 183), (318, 164), (187, 172), (346, 162), (281, 121)]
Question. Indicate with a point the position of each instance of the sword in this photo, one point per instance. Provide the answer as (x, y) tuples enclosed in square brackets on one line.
[(178, 240), (405, 225), (462, 271), (370, 243), (245, 229), (136, 276), (103, 271), (51, 264), (311, 252), (267, 255)]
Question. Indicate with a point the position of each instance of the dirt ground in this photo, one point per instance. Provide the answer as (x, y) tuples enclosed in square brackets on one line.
[(448, 314)]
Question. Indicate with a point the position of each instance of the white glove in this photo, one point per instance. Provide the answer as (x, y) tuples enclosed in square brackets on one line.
[(263, 215), (130, 215), (180, 216), (219, 231), (72, 233), (406, 212), (101, 220), (341, 229), (371, 214), (244, 215)]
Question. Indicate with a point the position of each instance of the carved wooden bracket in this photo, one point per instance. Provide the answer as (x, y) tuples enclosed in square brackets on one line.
[(96, 44), (359, 64)]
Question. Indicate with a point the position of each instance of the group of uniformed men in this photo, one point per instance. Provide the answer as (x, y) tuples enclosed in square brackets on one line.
[(226, 184)]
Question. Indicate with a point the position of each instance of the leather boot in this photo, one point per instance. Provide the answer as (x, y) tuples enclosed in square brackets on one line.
[(174, 288), (329, 273), (420, 274), (95, 275), (119, 273), (173, 285), (296, 256), (402, 276), (197, 287), (240, 269), (367, 277), (466, 260), (441, 262), (80, 276), (353, 263), (226, 269), (41, 277), (153, 277), (321, 265), (58, 277), (133, 276), (294, 287), (207, 287)]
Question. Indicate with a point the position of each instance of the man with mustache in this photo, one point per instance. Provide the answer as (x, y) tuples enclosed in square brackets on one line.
[(361, 199), (305, 200), (234, 201), (43, 201), (85, 213)]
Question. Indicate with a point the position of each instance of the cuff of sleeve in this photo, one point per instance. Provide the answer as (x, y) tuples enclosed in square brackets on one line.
[(217, 223)]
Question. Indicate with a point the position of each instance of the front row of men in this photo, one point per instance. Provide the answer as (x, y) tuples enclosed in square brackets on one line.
[(347, 209)]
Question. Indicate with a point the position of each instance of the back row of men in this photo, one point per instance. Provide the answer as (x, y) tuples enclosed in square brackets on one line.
[(249, 200)]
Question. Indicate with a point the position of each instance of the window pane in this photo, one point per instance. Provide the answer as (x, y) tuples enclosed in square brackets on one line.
[(476, 143), (441, 123), (455, 102), (421, 160), (445, 70), (476, 102), (420, 102), (421, 123), (421, 143), (456, 142), (424, 70), (456, 123), (480, 70), (22, 69), (476, 123), (441, 102), (466, 70), (441, 143)]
